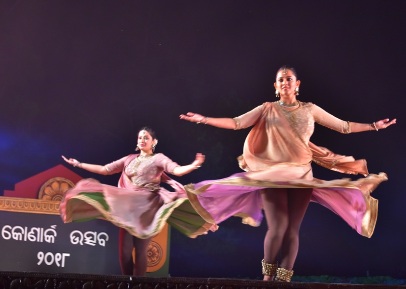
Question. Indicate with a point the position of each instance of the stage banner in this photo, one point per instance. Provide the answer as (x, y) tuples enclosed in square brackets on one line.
[(43, 243), (33, 238)]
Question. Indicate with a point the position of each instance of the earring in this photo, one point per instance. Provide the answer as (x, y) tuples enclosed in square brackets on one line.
[(153, 147), (137, 148), (277, 94), (297, 91)]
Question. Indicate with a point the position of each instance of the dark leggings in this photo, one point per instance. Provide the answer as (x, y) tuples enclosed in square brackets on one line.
[(284, 211), (127, 243)]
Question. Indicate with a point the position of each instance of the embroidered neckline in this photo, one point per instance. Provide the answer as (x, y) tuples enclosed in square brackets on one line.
[(281, 103)]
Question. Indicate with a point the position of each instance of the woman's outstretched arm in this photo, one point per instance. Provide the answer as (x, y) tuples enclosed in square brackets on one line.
[(220, 122), (183, 170), (97, 169), (377, 125)]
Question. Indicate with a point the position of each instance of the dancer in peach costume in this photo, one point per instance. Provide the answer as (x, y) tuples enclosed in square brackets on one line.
[(139, 205), (277, 157)]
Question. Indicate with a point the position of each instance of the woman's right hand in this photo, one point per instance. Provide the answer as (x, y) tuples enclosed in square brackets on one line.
[(193, 117), (72, 162)]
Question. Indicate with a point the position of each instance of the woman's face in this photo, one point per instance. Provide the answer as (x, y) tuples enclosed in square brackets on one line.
[(286, 82), (145, 141)]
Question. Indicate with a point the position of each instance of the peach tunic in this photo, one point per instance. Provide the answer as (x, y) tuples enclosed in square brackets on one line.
[(278, 153), (139, 204)]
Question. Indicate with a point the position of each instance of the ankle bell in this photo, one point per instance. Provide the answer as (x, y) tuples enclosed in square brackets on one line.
[(269, 269), (283, 275)]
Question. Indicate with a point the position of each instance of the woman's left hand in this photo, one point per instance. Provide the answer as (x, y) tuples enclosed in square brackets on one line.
[(384, 123), (199, 160)]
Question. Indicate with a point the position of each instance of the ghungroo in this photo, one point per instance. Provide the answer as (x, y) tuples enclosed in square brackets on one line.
[(283, 275), (269, 269)]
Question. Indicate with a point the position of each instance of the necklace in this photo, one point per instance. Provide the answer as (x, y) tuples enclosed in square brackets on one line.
[(281, 103), (143, 157)]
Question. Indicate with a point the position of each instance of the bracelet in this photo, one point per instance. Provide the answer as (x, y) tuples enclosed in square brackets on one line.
[(196, 167), (77, 164), (374, 126), (203, 120)]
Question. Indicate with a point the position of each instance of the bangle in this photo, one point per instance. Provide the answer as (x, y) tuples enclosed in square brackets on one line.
[(196, 167), (374, 126), (203, 120), (77, 164)]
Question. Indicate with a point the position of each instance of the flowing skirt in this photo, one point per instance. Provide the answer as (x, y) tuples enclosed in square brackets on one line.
[(240, 195), (143, 213)]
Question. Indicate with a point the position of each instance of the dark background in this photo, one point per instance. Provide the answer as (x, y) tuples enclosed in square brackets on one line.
[(80, 78)]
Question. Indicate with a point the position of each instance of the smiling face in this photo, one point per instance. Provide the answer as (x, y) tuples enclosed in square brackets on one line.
[(146, 141), (286, 83)]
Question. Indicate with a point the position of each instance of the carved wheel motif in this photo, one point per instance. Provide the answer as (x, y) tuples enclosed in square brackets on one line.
[(54, 189), (154, 254)]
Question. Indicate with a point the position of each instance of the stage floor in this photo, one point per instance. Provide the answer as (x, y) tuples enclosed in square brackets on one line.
[(31, 280)]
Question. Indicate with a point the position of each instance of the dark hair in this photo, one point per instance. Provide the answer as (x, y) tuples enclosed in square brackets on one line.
[(149, 130), (287, 67)]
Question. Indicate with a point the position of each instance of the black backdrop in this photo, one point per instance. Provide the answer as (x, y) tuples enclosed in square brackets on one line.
[(81, 77)]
